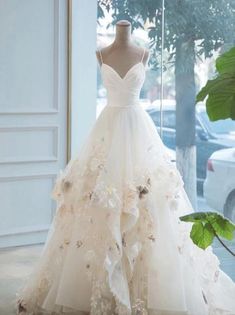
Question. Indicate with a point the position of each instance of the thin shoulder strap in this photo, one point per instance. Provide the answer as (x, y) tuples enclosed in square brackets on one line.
[(101, 56), (143, 55)]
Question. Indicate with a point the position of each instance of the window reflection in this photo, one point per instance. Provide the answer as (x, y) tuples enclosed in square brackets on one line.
[(194, 36)]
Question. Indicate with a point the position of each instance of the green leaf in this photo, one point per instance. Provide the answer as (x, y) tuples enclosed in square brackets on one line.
[(202, 235), (222, 226), (194, 217), (207, 225), (216, 85), (220, 91), (221, 105), (226, 62)]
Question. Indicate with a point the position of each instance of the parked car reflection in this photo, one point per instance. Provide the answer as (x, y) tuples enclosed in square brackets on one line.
[(219, 186), (210, 136)]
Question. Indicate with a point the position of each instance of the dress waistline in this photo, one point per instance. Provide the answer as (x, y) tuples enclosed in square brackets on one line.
[(132, 106)]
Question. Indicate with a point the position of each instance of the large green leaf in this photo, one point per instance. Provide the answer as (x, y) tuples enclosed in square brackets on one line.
[(221, 105), (226, 62), (220, 92), (207, 225), (194, 217), (202, 234), (222, 226), (216, 85)]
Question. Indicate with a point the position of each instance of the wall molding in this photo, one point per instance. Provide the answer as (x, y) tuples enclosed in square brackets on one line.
[(27, 177), (53, 128), (15, 178), (55, 103)]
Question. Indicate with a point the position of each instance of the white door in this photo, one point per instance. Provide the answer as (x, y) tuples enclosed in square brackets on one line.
[(33, 107)]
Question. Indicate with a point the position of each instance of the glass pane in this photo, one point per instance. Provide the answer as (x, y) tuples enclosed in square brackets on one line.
[(196, 32)]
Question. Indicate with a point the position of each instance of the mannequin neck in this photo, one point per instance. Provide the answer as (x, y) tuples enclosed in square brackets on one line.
[(123, 35)]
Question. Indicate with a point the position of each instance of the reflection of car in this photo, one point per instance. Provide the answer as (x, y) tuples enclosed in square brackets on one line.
[(219, 186), (144, 103), (210, 136)]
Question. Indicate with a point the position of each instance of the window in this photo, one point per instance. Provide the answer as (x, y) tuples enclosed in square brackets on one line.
[(196, 32)]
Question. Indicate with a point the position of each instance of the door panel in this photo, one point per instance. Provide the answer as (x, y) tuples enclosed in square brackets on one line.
[(33, 115)]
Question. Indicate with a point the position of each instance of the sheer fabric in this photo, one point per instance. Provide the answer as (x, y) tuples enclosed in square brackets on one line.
[(116, 244)]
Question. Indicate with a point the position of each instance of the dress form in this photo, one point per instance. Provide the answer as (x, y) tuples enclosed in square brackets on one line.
[(122, 54), (116, 244)]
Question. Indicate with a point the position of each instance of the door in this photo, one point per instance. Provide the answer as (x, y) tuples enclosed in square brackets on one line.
[(33, 110)]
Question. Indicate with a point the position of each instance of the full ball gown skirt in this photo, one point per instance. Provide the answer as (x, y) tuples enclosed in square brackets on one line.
[(116, 244)]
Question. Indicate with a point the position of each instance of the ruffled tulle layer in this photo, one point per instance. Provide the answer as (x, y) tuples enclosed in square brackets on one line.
[(116, 245)]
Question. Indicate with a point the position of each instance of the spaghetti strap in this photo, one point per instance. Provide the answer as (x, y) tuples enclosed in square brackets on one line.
[(101, 56), (143, 55)]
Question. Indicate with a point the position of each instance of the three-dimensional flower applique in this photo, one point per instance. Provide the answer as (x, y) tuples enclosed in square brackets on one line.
[(96, 164), (21, 306), (144, 189), (79, 243), (139, 307), (151, 238), (65, 243), (106, 195), (98, 156), (66, 185)]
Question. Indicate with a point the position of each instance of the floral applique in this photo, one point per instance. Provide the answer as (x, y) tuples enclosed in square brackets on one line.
[(79, 243), (21, 307), (105, 195), (139, 307), (151, 238), (66, 185), (100, 304)]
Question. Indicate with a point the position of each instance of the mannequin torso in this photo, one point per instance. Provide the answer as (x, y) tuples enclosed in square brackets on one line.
[(122, 54)]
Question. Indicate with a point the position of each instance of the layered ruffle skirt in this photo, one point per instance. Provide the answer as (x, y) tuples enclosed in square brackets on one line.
[(116, 244)]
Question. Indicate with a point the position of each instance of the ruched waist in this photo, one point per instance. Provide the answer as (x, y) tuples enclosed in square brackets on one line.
[(124, 106), (123, 99)]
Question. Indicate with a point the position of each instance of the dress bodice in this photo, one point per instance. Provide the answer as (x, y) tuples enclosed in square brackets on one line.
[(123, 91)]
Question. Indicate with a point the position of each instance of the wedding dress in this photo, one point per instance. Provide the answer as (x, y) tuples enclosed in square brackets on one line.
[(116, 244)]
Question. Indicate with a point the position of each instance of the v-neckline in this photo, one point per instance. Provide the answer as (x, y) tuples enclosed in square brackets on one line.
[(121, 78)]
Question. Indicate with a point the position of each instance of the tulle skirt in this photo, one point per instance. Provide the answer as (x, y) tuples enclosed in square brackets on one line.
[(116, 244)]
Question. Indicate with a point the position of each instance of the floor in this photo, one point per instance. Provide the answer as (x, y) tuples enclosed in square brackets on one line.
[(16, 263)]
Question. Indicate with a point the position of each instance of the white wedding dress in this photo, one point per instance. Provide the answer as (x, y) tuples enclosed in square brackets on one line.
[(116, 244)]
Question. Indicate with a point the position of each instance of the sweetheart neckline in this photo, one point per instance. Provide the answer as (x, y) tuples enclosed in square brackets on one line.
[(122, 78)]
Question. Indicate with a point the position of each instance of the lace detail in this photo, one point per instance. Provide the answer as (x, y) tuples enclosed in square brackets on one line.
[(139, 308), (100, 304), (116, 233)]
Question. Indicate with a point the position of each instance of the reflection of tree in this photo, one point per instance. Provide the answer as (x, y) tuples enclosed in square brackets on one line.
[(193, 28), (152, 85)]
